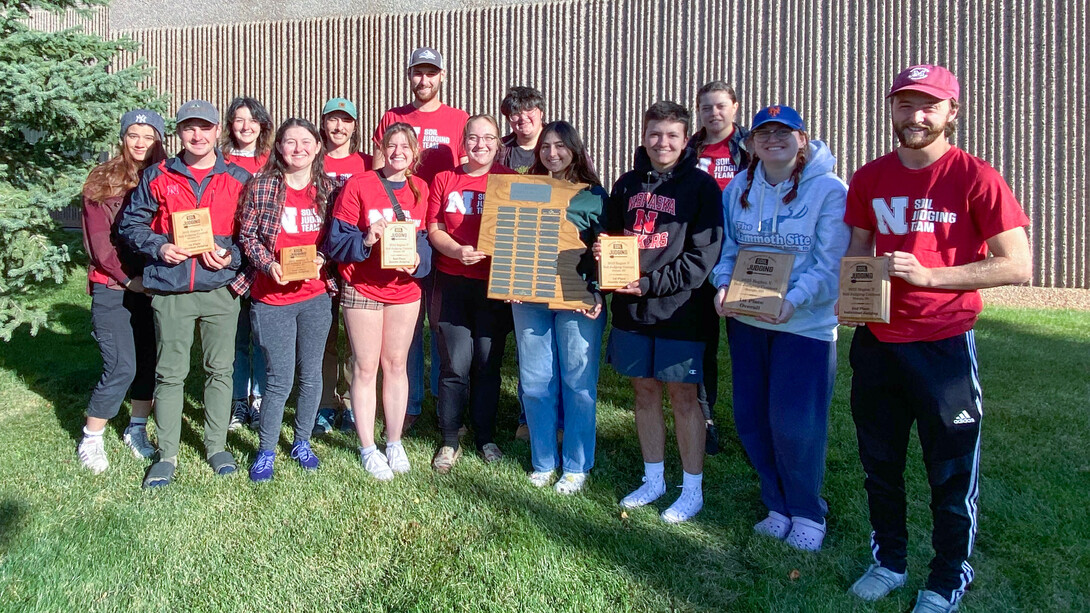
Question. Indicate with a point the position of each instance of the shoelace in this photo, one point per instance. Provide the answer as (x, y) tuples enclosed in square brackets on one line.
[(265, 462), (302, 452)]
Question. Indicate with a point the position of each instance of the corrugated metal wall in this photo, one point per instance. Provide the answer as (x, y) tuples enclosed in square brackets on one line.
[(93, 21), (600, 63)]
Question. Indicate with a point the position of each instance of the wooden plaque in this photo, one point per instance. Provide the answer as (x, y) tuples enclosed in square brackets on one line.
[(297, 263), (399, 245), (864, 290), (620, 263), (192, 231), (759, 282)]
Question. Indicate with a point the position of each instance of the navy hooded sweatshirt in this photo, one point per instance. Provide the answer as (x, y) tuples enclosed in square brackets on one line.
[(678, 218)]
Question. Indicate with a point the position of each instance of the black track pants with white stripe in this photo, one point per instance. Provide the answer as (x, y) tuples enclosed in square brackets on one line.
[(934, 384)]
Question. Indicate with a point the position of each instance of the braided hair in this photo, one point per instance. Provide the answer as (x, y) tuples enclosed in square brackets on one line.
[(801, 158)]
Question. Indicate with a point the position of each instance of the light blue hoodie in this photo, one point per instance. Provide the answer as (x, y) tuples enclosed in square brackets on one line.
[(811, 227)]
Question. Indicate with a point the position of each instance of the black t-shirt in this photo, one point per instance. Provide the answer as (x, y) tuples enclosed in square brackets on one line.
[(520, 160)]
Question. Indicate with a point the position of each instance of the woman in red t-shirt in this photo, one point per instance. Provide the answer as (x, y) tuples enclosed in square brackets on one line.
[(248, 139), (284, 208), (471, 329), (380, 305)]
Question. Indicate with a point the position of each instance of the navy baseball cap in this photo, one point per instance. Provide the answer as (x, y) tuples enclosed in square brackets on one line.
[(143, 116), (198, 109), (779, 114)]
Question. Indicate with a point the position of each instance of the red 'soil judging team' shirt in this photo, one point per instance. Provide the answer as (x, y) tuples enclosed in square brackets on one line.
[(717, 161), (362, 202), (457, 200), (942, 214), (343, 169), (250, 162), (439, 133), (300, 224)]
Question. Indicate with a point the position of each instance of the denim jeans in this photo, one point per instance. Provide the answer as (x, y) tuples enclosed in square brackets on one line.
[(558, 362), (249, 370)]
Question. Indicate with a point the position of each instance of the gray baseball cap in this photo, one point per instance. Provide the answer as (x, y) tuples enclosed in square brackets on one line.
[(142, 116), (198, 109), (426, 55)]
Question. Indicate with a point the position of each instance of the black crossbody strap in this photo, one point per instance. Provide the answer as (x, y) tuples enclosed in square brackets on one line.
[(398, 213)]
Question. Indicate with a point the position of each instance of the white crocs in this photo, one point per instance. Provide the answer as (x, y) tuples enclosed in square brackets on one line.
[(775, 525), (806, 534), (541, 478)]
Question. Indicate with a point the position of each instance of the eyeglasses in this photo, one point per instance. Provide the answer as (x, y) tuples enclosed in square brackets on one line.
[(488, 139), (763, 136)]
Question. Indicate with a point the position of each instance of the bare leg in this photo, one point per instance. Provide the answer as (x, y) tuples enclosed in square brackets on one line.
[(649, 422), (361, 324), (399, 322), (689, 425)]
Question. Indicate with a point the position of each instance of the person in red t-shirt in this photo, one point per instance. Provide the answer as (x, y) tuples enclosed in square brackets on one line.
[(121, 314), (936, 212), (471, 329), (285, 207), (246, 142), (343, 160), (380, 305)]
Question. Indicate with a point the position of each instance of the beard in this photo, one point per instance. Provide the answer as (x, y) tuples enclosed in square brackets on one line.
[(914, 140), (430, 95)]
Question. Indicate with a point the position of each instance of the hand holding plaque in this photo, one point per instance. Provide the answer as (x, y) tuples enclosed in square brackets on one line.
[(619, 261), (192, 231), (297, 263), (399, 245), (759, 283), (864, 290)]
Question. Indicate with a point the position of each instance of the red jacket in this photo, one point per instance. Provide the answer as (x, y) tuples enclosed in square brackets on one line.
[(169, 187)]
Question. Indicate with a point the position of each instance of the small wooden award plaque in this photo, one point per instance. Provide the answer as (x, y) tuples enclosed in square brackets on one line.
[(192, 231), (399, 245), (864, 290), (759, 282), (297, 263), (620, 261)]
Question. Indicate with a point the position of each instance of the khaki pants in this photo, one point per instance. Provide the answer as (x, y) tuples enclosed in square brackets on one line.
[(176, 315)]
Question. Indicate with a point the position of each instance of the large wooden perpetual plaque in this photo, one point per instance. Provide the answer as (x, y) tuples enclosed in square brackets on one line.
[(534, 248)]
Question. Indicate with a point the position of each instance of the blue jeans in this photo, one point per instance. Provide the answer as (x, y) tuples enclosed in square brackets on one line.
[(558, 359), (783, 384), (249, 376)]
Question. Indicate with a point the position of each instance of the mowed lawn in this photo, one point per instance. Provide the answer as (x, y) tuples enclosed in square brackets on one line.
[(483, 539)]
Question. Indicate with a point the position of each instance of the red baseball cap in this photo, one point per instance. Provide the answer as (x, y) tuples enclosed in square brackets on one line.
[(930, 79)]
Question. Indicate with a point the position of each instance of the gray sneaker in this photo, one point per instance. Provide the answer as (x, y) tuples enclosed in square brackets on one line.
[(877, 582), (136, 437), (930, 602)]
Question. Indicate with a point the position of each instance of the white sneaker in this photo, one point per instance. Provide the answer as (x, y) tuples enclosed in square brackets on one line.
[(570, 483), (136, 437), (377, 465), (92, 454), (399, 462), (647, 493), (685, 507), (541, 478)]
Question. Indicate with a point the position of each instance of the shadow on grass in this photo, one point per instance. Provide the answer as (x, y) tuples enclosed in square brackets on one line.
[(13, 516)]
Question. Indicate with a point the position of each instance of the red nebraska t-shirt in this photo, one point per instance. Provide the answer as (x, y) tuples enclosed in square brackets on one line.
[(343, 169), (300, 224), (362, 202), (439, 133), (251, 163), (456, 200), (717, 161), (942, 214)]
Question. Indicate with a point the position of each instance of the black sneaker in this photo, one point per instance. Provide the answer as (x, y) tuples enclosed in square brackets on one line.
[(255, 414), (240, 414), (711, 441)]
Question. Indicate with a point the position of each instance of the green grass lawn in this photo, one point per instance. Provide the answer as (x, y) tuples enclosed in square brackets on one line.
[(483, 539)]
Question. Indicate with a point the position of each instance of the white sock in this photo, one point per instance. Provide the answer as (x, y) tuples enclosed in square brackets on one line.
[(692, 481), (392, 444), (366, 451), (93, 433), (138, 422), (653, 471)]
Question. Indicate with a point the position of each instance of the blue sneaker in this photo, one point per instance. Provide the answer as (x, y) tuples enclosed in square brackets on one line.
[(348, 421), (324, 422), (300, 451), (262, 468)]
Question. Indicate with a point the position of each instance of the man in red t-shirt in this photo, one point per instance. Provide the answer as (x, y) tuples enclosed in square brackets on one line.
[(936, 212), (439, 130)]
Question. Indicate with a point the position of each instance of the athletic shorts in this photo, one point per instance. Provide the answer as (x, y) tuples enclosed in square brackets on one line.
[(671, 361)]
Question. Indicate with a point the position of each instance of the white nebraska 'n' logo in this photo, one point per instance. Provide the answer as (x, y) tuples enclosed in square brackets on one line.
[(455, 203), (891, 219)]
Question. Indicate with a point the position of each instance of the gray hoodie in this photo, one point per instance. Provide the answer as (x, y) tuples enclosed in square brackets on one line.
[(811, 227)]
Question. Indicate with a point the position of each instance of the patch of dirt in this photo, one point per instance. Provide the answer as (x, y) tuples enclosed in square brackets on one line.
[(1038, 297)]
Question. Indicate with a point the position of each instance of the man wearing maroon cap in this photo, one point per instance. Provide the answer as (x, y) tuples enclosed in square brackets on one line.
[(936, 212)]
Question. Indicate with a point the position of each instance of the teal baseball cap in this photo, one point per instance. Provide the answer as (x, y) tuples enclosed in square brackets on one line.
[(340, 104)]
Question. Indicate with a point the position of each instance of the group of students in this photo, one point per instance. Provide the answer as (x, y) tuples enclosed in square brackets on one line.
[(693, 201)]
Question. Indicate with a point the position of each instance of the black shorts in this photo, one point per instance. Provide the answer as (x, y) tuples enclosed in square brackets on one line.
[(671, 361)]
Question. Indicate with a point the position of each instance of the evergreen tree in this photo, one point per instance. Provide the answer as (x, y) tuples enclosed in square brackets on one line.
[(60, 102)]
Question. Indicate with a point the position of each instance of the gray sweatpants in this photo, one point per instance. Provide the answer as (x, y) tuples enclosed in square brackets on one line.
[(291, 335)]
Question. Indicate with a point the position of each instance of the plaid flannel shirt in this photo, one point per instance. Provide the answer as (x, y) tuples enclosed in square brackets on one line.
[(259, 224)]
